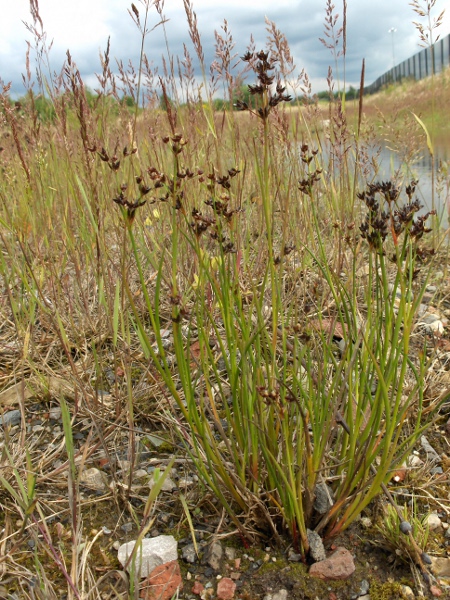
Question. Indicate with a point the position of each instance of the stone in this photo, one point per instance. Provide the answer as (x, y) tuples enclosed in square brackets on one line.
[(339, 565), (436, 327), (186, 482), (434, 522), (324, 498), (407, 593), (140, 474), (316, 547), (11, 418), (225, 589), (188, 554), (440, 567), (429, 318), (168, 486), (198, 588), (55, 413), (294, 556), (94, 479), (127, 527), (163, 582), (366, 522), (153, 553), (280, 595), (432, 455), (230, 553), (364, 589), (213, 555)]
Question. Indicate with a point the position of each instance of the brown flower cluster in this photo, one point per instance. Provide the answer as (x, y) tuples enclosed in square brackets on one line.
[(386, 215), (263, 67)]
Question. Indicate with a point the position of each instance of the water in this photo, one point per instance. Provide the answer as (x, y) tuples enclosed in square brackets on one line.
[(391, 166)]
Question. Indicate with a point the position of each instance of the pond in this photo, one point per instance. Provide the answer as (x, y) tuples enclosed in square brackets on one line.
[(391, 165)]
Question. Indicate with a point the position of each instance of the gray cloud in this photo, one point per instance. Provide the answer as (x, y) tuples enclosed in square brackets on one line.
[(368, 22)]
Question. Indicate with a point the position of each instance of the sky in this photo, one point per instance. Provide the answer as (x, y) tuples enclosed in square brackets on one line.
[(83, 27)]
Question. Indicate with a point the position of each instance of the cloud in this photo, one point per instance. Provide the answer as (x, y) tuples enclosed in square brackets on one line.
[(84, 28)]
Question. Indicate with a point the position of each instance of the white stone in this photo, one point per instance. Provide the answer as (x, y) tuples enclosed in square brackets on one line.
[(407, 593), (153, 552), (280, 595), (437, 326), (167, 486), (434, 522), (414, 461)]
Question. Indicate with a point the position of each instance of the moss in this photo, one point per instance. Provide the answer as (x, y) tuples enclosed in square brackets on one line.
[(390, 590)]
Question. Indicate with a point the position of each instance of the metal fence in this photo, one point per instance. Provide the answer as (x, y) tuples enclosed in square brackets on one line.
[(418, 66)]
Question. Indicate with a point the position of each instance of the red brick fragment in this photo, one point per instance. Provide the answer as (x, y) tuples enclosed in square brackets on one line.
[(163, 582)]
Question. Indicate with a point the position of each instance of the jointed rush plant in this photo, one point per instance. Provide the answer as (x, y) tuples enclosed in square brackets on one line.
[(285, 416)]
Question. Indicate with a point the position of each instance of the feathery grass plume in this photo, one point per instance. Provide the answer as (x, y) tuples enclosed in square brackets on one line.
[(335, 35), (194, 32), (223, 63)]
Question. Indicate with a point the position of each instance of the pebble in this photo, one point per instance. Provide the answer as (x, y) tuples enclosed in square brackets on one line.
[(55, 413), (140, 473), (364, 588), (280, 595), (366, 522), (230, 553), (407, 593), (293, 556), (436, 471), (151, 554), (339, 565), (94, 479), (168, 486), (324, 498), (316, 547), (226, 589), (435, 591), (432, 455), (429, 318), (185, 482), (414, 461), (11, 418), (163, 582), (188, 554), (127, 527), (440, 566), (434, 522), (213, 555)]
